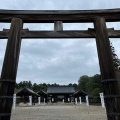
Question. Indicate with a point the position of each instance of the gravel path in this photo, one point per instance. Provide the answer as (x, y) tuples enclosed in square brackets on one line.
[(57, 112)]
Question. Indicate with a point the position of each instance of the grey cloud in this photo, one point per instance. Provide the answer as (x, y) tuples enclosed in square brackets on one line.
[(59, 4), (2, 51), (66, 63)]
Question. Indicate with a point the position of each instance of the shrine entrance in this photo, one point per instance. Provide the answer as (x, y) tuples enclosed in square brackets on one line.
[(100, 32)]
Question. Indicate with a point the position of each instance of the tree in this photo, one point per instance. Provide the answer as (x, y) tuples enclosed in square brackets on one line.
[(91, 85), (29, 84), (116, 61), (96, 92), (16, 85), (75, 86), (70, 84), (20, 85), (82, 82), (97, 82), (35, 87)]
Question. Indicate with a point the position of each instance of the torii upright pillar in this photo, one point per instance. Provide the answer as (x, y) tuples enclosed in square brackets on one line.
[(9, 69), (109, 81)]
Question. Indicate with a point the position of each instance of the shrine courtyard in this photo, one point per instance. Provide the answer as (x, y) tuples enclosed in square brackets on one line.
[(59, 112)]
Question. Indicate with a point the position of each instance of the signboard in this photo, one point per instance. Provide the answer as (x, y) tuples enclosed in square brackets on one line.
[(102, 100), (87, 101), (39, 99), (52, 99), (30, 100), (80, 100), (14, 101), (76, 101)]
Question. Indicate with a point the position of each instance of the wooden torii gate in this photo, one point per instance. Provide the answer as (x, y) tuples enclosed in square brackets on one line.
[(100, 32)]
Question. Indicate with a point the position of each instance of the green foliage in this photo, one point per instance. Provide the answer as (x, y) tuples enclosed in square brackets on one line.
[(24, 84), (36, 87), (116, 60), (75, 86), (70, 84), (82, 82), (91, 85), (96, 92)]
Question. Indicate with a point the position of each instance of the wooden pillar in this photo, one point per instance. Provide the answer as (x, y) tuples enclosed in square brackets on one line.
[(58, 26), (9, 69), (109, 81)]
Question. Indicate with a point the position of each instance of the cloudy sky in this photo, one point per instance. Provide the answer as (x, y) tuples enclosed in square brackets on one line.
[(60, 61)]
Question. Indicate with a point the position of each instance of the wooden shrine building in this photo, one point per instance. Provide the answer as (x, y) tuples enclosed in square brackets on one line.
[(24, 93), (60, 93), (81, 94), (43, 95), (100, 32)]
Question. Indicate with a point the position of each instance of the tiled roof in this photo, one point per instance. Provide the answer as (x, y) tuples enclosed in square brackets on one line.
[(42, 92), (26, 92), (80, 92), (60, 89)]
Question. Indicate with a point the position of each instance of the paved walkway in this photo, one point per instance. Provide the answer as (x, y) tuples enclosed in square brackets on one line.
[(57, 112)]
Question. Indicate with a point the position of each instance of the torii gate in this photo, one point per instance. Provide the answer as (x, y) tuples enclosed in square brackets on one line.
[(100, 32)]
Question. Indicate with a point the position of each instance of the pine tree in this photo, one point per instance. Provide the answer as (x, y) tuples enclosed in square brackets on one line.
[(116, 60)]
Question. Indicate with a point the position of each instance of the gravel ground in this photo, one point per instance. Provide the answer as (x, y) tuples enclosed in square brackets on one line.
[(59, 112)]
